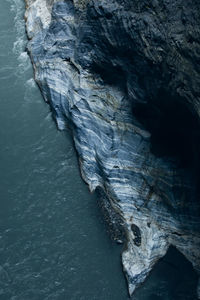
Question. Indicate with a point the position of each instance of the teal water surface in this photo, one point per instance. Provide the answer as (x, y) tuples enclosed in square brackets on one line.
[(54, 244)]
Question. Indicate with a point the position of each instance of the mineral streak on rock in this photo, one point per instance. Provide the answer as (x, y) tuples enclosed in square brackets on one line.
[(126, 75)]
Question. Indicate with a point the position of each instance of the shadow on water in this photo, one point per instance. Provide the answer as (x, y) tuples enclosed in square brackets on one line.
[(173, 278)]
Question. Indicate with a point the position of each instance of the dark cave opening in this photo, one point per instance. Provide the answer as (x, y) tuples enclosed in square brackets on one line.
[(175, 130), (112, 76), (174, 127)]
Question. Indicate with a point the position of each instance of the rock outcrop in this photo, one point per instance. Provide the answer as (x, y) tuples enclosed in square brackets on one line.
[(125, 75)]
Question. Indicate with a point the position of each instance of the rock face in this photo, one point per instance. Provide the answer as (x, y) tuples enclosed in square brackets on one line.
[(125, 74)]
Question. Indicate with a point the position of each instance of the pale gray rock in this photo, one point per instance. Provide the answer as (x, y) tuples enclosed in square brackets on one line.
[(125, 76)]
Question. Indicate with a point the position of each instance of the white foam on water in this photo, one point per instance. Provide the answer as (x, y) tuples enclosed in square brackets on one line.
[(18, 46), (31, 92), (17, 8), (30, 83), (23, 66), (23, 57), (24, 62)]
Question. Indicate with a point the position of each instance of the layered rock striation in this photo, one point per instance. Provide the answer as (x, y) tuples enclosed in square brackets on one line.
[(125, 75)]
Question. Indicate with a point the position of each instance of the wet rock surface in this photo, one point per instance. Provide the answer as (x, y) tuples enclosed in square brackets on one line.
[(125, 75)]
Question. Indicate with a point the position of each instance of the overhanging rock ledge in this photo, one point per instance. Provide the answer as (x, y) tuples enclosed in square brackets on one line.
[(126, 75)]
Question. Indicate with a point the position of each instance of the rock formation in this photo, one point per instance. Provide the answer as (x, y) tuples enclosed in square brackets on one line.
[(125, 76)]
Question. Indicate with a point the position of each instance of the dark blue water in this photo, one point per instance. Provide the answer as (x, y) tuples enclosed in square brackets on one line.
[(54, 244)]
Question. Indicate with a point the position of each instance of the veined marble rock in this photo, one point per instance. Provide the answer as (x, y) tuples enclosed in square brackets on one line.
[(126, 76)]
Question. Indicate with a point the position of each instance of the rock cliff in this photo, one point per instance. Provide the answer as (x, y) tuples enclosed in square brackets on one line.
[(125, 76)]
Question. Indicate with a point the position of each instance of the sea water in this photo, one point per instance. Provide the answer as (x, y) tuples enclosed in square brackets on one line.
[(54, 243)]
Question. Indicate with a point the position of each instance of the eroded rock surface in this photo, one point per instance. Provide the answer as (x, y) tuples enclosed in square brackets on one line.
[(126, 76)]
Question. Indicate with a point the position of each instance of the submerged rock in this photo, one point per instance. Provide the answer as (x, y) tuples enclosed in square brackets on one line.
[(125, 75)]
